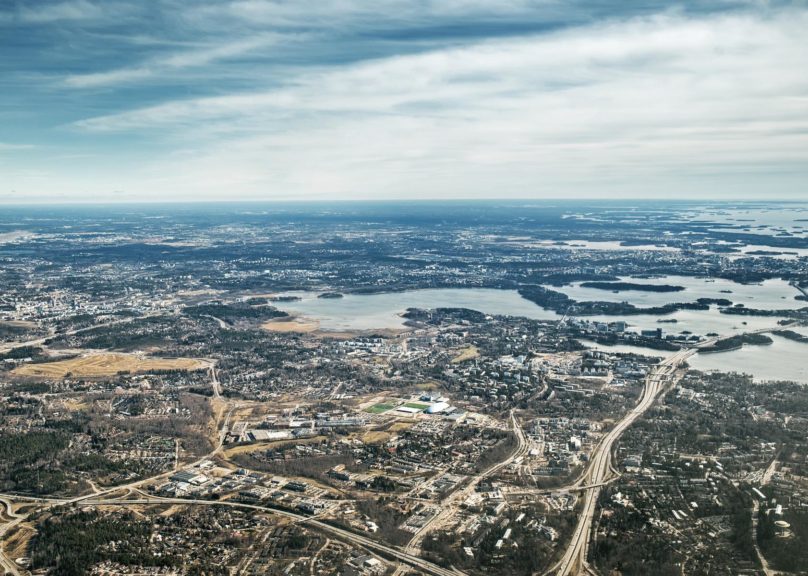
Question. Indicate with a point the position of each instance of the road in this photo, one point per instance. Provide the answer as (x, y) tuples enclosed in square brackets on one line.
[(5, 562), (39, 341), (341, 533), (574, 559), (766, 478), (764, 565), (222, 324), (597, 474), (11, 567), (448, 505), (8, 566)]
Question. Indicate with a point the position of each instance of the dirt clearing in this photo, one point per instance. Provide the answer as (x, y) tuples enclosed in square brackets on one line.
[(106, 364)]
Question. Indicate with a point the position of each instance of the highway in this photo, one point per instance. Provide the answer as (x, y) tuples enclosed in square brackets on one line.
[(574, 558), (573, 561)]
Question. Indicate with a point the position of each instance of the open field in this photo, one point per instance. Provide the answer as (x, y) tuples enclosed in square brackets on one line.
[(257, 446), (469, 353), (291, 325), (106, 364), (401, 425), (16, 544), (18, 323), (375, 437)]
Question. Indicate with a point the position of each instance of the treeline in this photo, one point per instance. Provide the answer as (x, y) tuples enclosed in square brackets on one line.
[(22, 352), (561, 303), (9, 331), (504, 447), (26, 462), (138, 333), (438, 315), (313, 467), (43, 462), (70, 544), (231, 313), (30, 447), (741, 310)]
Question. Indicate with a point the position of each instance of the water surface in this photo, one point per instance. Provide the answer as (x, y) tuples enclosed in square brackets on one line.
[(377, 311), (774, 294), (782, 360)]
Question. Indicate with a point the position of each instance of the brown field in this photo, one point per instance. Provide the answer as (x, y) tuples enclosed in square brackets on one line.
[(468, 354), (106, 364), (375, 437), (16, 544), (431, 385), (18, 323), (401, 425), (291, 325), (256, 446), (76, 405)]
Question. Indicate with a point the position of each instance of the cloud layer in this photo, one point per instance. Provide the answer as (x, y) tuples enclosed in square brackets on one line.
[(455, 99)]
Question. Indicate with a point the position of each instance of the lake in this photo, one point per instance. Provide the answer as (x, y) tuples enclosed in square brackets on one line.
[(782, 360), (785, 359), (775, 294), (383, 310), (377, 311)]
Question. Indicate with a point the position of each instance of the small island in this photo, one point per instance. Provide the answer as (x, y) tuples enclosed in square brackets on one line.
[(791, 335), (330, 295), (285, 298)]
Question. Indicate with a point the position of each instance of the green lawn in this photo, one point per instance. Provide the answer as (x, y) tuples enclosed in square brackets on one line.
[(379, 408), (416, 405)]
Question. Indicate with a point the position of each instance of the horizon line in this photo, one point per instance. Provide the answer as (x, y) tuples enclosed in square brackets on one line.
[(272, 201)]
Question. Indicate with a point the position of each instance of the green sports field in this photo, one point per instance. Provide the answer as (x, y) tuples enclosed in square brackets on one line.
[(416, 405), (379, 408)]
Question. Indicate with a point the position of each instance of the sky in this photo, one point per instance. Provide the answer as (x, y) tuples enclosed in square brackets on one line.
[(196, 100)]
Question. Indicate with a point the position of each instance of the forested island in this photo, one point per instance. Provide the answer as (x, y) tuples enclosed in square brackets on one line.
[(632, 286), (791, 335), (736, 342), (330, 295), (561, 303)]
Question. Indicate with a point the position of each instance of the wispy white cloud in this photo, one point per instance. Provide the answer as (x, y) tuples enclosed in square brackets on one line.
[(723, 62), (69, 10), (290, 13), (682, 102), (634, 104), (168, 64)]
